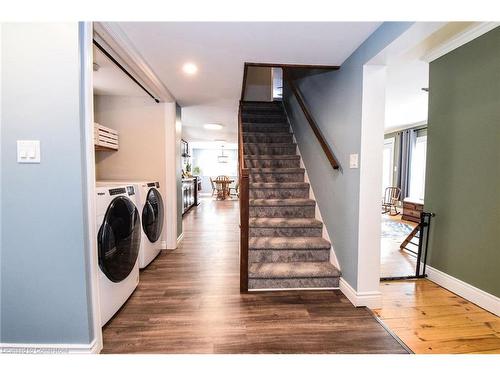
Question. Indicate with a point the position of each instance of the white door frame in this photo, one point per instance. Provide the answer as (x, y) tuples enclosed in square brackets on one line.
[(87, 112)]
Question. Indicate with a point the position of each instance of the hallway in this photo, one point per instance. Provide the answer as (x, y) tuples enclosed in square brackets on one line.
[(188, 301)]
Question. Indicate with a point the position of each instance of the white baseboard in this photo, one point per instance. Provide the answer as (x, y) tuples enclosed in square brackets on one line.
[(372, 300), (163, 244), (93, 348), (179, 239), (471, 293)]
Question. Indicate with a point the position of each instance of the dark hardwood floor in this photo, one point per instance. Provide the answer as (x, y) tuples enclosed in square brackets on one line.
[(188, 301)]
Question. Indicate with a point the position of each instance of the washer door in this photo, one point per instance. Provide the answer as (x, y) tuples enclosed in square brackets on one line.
[(152, 215), (119, 239)]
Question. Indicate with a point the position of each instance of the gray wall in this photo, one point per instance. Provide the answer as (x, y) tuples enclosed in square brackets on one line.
[(334, 99), (259, 84), (463, 158), (44, 293)]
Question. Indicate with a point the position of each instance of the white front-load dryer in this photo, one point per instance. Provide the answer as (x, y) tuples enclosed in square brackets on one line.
[(118, 243), (151, 209)]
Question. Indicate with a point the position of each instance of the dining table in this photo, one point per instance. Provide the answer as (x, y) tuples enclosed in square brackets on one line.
[(223, 191)]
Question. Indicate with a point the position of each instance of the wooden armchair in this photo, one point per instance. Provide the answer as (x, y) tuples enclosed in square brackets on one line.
[(390, 202)]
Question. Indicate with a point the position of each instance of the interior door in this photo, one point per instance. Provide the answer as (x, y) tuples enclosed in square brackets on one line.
[(119, 239)]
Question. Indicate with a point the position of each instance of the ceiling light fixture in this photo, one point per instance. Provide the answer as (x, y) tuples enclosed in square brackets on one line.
[(190, 68), (222, 158), (213, 126)]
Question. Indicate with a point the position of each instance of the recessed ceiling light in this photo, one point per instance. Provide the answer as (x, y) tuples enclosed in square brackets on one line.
[(189, 68), (213, 126)]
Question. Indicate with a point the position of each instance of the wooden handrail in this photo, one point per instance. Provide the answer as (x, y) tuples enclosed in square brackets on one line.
[(310, 119), (243, 190)]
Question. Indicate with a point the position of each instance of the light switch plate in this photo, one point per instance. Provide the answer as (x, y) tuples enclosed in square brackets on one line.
[(28, 151), (354, 161)]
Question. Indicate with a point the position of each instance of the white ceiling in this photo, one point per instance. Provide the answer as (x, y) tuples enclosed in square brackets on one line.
[(110, 80), (405, 102), (220, 50)]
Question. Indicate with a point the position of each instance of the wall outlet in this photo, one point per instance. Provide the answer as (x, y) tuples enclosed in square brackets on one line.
[(28, 151), (354, 161)]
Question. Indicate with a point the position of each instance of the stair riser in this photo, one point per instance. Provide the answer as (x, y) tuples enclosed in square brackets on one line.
[(285, 232), (265, 118), (282, 211), (286, 256), (279, 193), (277, 177), (273, 111), (262, 105), (266, 128), (272, 163), (259, 149), (268, 138), (320, 282)]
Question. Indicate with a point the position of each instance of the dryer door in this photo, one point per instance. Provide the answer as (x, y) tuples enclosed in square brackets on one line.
[(152, 215), (119, 239)]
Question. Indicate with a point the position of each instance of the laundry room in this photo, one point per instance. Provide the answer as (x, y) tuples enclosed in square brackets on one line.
[(137, 159)]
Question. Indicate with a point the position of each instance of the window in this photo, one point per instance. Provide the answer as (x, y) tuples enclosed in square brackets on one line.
[(417, 170), (388, 166)]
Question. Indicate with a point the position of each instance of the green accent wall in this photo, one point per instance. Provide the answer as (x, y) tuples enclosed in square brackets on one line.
[(463, 163)]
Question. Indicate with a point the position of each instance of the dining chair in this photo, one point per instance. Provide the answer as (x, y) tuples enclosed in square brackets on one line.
[(236, 188), (214, 188)]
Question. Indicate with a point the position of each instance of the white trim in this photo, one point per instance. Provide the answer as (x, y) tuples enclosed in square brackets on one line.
[(172, 141), (370, 178), (372, 300), (93, 348), (86, 102), (460, 39), (116, 39), (179, 239), (398, 128), (475, 295)]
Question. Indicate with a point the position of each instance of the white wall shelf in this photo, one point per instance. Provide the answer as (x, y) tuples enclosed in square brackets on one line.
[(105, 139)]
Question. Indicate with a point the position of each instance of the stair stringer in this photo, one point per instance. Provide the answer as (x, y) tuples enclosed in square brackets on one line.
[(317, 210)]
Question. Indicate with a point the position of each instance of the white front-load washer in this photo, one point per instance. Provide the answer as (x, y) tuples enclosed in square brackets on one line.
[(118, 243), (151, 209)]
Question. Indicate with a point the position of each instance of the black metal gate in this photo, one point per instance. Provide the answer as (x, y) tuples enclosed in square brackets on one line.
[(422, 235)]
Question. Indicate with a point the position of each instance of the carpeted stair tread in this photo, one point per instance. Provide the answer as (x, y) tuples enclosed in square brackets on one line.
[(284, 134), (282, 202), (281, 222), (288, 243), (275, 170), (292, 270), (271, 157), (279, 185)]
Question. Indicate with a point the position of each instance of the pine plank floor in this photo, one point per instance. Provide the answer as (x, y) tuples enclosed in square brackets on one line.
[(431, 319), (188, 301), (393, 261)]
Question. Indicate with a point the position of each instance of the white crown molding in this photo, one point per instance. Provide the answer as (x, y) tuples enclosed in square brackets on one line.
[(11, 348), (120, 44), (372, 300), (471, 293), (460, 39)]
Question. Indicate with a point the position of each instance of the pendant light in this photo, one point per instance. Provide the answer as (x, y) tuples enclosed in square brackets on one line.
[(222, 158)]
